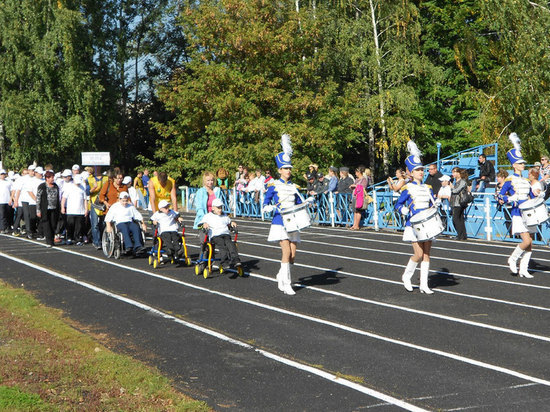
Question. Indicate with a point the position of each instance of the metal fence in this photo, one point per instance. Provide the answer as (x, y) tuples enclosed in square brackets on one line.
[(485, 218)]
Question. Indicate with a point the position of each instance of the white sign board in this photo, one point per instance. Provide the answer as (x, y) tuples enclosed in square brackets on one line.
[(96, 158)]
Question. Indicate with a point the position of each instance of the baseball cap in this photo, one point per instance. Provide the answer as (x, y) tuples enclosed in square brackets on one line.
[(165, 203), (3, 172), (39, 170), (75, 167), (66, 173), (31, 167), (217, 203), (123, 195), (126, 180), (445, 178)]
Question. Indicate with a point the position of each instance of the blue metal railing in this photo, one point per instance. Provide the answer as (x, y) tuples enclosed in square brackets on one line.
[(485, 218)]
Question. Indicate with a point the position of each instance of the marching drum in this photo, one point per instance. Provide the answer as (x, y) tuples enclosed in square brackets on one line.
[(296, 218), (427, 224), (534, 212)]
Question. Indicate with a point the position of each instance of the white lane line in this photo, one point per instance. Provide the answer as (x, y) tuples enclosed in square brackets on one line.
[(323, 374), (335, 325), (377, 262)]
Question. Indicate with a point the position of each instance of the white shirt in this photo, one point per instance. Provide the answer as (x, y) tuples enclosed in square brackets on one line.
[(167, 222), (535, 186), (17, 187), (5, 191), (26, 182), (256, 184), (133, 194), (445, 191), (217, 224), (75, 199), (121, 214), (31, 185)]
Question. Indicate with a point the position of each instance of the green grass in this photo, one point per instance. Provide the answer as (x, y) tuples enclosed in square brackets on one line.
[(48, 365)]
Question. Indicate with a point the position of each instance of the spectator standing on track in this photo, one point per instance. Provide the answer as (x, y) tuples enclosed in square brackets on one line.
[(5, 201), (48, 206), (415, 198), (96, 183), (444, 197), (162, 187), (516, 190), (74, 207), (459, 186), (111, 190), (345, 182), (433, 178), (285, 195), (358, 198), (205, 196)]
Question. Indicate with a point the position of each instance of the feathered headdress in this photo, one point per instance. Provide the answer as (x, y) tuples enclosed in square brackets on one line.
[(283, 159), (413, 161), (514, 155)]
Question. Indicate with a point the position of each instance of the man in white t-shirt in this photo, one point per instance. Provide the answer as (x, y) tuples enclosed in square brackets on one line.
[(29, 190), (73, 205), (16, 194), (5, 201)]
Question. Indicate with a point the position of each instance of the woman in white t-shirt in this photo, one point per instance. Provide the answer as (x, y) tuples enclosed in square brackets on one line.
[(73, 205), (536, 186)]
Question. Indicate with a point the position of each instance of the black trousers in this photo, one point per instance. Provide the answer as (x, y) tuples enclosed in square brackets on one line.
[(228, 250), (75, 224), (4, 214), (31, 221), (48, 223), (170, 242), (458, 222), (18, 217)]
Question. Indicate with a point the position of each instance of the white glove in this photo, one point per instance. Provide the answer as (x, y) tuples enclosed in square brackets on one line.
[(405, 210), (310, 199), (269, 208)]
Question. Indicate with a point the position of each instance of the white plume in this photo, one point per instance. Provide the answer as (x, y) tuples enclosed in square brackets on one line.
[(514, 138), (285, 143), (413, 148)]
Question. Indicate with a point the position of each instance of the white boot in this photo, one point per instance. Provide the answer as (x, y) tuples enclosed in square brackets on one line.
[(424, 270), (524, 265), (281, 275), (287, 282), (513, 259), (408, 274)]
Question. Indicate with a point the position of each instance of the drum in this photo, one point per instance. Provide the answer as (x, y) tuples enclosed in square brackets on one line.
[(296, 218), (534, 212), (427, 224)]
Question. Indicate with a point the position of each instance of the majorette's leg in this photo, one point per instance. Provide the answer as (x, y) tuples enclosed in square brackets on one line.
[(424, 270), (287, 283), (408, 274), (513, 259), (524, 265)]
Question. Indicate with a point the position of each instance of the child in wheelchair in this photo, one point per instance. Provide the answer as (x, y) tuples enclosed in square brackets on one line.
[(218, 225), (168, 222), (126, 218)]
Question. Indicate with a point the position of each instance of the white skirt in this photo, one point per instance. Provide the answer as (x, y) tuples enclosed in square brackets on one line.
[(278, 232), (518, 226)]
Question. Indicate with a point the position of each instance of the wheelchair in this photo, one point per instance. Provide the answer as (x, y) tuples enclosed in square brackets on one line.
[(206, 257), (156, 254), (112, 243)]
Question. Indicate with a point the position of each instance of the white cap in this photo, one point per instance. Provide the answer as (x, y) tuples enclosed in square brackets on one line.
[(76, 167), (3, 172), (123, 195), (444, 178), (164, 203), (31, 167), (217, 203), (66, 173), (127, 180), (39, 170)]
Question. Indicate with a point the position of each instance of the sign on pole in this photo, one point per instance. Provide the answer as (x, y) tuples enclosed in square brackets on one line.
[(96, 158)]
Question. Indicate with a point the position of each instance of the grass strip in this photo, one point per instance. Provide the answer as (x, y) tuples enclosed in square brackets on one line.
[(49, 366)]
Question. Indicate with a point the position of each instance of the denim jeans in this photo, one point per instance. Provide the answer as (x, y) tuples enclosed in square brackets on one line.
[(97, 227), (127, 228)]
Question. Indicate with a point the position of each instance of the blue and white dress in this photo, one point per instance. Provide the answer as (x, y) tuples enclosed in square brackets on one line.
[(417, 197), (516, 190), (284, 195)]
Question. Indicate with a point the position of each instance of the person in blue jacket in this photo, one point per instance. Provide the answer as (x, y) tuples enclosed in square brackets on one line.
[(415, 197), (516, 190), (284, 194), (205, 196)]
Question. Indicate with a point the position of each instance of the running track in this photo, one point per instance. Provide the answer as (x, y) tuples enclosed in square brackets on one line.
[(351, 339)]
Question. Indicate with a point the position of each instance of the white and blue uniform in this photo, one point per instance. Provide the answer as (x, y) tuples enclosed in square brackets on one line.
[(416, 198), (516, 190), (284, 195)]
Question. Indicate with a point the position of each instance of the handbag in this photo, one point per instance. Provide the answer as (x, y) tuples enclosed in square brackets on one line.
[(97, 205), (465, 198)]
